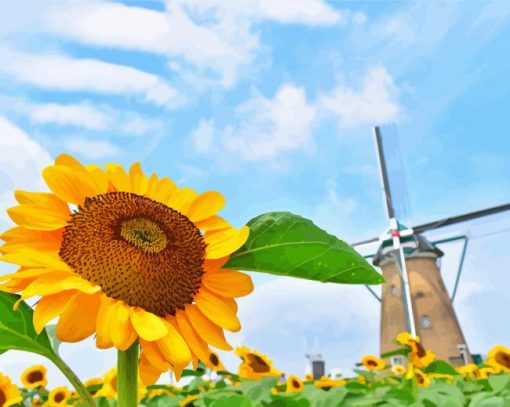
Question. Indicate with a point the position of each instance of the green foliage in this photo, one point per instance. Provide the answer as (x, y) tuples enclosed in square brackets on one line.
[(286, 244), (440, 366), (17, 330)]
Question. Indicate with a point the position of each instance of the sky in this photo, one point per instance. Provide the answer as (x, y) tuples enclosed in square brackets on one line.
[(273, 104)]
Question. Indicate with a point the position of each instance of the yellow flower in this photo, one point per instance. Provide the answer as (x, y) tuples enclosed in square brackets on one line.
[(448, 377), (255, 365), (308, 377), (190, 398), (34, 376), (59, 396), (325, 383), (418, 356), (372, 362), (36, 401), (398, 369), (499, 358), (109, 389), (294, 384), (362, 379), (158, 392), (470, 370), (9, 392), (93, 382), (421, 378), (125, 256)]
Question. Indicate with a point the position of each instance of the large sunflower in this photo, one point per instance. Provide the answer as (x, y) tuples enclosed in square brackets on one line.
[(125, 257)]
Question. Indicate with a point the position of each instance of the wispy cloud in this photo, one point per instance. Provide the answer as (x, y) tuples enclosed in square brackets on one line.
[(62, 73), (91, 149)]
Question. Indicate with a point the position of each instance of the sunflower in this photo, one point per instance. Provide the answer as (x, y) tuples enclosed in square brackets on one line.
[(294, 384), (255, 365), (499, 358), (109, 389), (36, 401), (9, 392), (34, 376), (372, 362), (422, 379), (485, 372), (58, 396), (418, 356), (93, 385), (326, 383), (469, 371), (308, 377), (399, 370), (125, 257)]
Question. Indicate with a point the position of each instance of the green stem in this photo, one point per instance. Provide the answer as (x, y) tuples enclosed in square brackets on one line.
[(127, 377), (71, 376)]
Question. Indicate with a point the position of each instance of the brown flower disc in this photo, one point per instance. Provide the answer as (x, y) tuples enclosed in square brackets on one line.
[(137, 250)]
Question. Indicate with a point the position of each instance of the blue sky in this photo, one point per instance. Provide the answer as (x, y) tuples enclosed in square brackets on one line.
[(272, 103)]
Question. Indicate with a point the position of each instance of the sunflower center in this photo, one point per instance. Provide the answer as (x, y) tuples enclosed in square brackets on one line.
[(295, 383), (503, 359), (371, 362), (59, 396), (137, 250), (214, 359), (257, 363), (3, 397), (34, 377)]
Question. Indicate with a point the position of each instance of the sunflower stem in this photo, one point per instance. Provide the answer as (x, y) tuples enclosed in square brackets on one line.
[(127, 376), (75, 381)]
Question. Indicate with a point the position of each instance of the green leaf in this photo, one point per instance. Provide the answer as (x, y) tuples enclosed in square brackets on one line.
[(17, 330), (440, 366), (499, 382), (401, 351), (289, 245)]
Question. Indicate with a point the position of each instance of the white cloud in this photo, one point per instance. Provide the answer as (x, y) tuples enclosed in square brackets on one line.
[(306, 314), (375, 102), (298, 11), (62, 73), (82, 115), (92, 149), (268, 127), (21, 163), (202, 136)]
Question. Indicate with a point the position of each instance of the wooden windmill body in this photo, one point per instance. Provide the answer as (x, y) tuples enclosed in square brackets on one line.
[(414, 297)]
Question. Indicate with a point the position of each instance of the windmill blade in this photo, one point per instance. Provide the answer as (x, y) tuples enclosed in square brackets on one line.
[(446, 221), (460, 218)]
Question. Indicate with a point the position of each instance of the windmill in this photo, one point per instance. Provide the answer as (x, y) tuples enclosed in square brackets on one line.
[(414, 297)]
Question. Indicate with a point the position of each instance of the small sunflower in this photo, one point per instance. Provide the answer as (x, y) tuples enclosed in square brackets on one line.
[(469, 371), (499, 358), (93, 385), (485, 372), (36, 401), (109, 389), (294, 384), (399, 370), (372, 362), (418, 356), (422, 379), (125, 256), (326, 383), (308, 377), (34, 376), (58, 396), (9, 392), (255, 365), (441, 376)]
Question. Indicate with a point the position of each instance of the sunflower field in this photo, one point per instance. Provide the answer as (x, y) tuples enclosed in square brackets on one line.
[(150, 269)]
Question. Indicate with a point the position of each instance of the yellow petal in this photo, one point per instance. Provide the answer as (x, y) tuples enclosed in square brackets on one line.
[(196, 344), (70, 185), (121, 331), (162, 191), (218, 310), (138, 180), (151, 352), (78, 321), (26, 274), (173, 347), (224, 242), (182, 200), (50, 307), (228, 283), (149, 375), (36, 218), (213, 223), (118, 177), (50, 283), (147, 325), (206, 205), (103, 337), (20, 238), (45, 200), (69, 161), (36, 259), (215, 264), (99, 177), (207, 330)]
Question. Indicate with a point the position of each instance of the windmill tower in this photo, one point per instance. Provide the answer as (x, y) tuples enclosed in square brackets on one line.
[(414, 297)]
